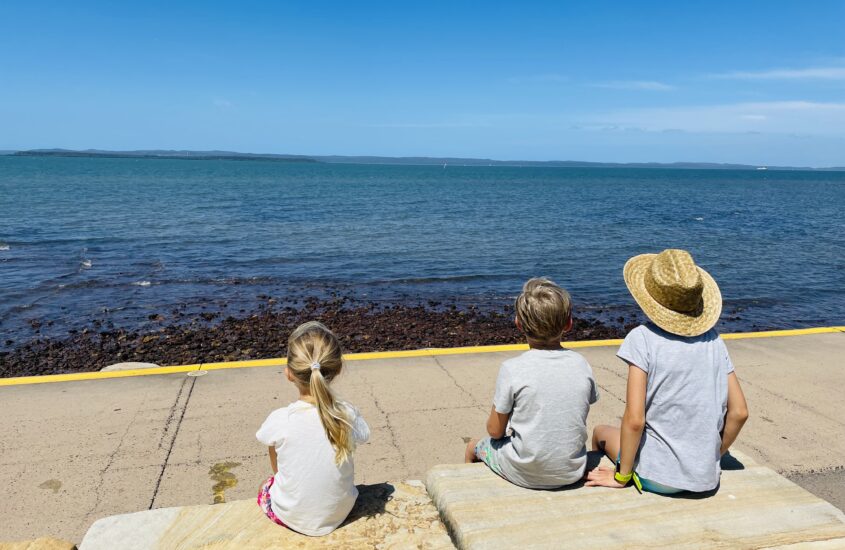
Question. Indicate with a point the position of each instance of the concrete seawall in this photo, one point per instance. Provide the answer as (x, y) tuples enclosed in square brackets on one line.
[(77, 450)]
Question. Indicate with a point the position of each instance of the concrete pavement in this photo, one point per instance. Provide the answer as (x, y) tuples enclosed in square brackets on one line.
[(73, 452)]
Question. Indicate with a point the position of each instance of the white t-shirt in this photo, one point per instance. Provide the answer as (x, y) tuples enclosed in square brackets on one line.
[(685, 404), (310, 493), (548, 394)]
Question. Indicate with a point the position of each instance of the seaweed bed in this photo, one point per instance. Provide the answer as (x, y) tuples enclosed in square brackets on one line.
[(211, 337)]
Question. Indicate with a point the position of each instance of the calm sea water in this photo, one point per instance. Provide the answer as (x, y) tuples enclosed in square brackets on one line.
[(126, 238)]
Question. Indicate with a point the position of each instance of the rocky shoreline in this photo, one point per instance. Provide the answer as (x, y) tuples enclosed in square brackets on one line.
[(209, 337)]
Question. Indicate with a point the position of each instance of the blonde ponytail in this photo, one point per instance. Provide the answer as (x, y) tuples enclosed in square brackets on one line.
[(315, 359)]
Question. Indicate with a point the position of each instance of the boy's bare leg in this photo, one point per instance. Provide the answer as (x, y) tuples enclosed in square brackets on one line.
[(469, 454), (606, 439)]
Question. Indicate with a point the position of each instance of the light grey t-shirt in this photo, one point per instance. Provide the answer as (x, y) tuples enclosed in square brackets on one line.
[(548, 393), (685, 405)]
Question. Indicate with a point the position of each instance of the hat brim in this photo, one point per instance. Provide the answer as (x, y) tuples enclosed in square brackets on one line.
[(682, 324)]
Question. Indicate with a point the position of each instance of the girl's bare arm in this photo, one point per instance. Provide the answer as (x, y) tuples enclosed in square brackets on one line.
[(737, 413), (273, 464)]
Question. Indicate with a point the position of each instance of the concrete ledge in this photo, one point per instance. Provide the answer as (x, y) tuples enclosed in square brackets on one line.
[(41, 543), (128, 366), (398, 515), (754, 508)]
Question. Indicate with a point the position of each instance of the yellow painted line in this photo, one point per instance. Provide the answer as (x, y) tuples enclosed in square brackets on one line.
[(462, 351), (276, 362), (97, 375), (245, 364), (780, 333)]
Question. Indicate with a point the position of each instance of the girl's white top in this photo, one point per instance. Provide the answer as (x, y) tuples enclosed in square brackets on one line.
[(310, 493)]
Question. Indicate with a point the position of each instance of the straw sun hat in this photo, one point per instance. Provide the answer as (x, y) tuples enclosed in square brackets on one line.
[(677, 295)]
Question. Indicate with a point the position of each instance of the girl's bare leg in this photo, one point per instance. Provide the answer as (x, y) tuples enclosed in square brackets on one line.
[(606, 439), (469, 454)]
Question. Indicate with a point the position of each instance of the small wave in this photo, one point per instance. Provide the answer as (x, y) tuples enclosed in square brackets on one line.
[(699, 219), (4, 247), (86, 264), (141, 283)]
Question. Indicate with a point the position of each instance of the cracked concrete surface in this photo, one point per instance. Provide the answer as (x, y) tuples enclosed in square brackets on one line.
[(178, 409), (74, 452)]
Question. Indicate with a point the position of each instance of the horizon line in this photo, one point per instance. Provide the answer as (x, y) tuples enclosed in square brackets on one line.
[(209, 154)]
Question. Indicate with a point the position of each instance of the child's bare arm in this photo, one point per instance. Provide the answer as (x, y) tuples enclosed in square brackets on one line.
[(737, 413), (633, 420), (497, 423), (273, 464)]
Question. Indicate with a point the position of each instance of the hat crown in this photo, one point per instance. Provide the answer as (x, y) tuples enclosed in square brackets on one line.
[(674, 281)]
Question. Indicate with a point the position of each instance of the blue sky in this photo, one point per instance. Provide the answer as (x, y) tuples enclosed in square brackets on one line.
[(752, 82)]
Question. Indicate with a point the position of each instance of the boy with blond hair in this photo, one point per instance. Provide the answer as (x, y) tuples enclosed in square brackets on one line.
[(538, 425)]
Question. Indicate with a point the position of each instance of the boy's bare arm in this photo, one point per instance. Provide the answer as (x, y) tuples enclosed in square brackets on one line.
[(497, 423), (737, 413), (273, 463)]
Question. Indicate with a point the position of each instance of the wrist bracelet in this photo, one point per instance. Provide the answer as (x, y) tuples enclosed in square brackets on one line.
[(627, 478)]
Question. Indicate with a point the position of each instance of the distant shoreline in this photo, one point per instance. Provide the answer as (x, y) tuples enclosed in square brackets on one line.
[(398, 161), (173, 156)]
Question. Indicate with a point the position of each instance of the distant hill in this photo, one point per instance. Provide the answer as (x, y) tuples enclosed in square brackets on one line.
[(535, 163), (420, 161), (163, 154)]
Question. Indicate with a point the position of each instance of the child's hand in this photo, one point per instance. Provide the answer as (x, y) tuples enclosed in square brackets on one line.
[(603, 477)]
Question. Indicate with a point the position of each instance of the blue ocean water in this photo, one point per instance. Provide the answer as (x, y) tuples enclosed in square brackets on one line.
[(126, 238)]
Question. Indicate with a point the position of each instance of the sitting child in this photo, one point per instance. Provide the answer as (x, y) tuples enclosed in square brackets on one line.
[(684, 406), (311, 441), (544, 394)]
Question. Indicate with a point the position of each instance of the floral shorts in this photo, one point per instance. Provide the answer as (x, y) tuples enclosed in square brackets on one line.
[(264, 501), (485, 450)]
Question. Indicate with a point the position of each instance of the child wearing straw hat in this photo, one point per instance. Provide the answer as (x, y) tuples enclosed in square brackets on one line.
[(684, 404)]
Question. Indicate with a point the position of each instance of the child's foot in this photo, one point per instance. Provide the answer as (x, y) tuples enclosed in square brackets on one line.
[(469, 454)]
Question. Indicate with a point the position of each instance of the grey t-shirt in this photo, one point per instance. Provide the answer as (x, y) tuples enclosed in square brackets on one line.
[(548, 393), (685, 405)]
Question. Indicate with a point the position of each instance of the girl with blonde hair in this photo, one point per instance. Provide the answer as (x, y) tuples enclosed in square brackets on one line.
[(312, 440)]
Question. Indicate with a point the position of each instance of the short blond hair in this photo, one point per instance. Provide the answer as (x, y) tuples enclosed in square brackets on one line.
[(543, 309)]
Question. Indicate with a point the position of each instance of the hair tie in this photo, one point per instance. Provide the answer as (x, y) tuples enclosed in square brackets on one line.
[(315, 365)]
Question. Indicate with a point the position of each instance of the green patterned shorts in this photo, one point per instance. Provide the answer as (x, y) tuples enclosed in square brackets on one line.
[(485, 450)]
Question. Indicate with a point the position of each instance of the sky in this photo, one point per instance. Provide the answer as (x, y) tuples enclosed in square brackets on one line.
[(757, 82)]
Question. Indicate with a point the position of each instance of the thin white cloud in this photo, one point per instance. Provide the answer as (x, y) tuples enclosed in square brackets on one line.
[(809, 73), (646, 85), (220, 102), (791, 117)]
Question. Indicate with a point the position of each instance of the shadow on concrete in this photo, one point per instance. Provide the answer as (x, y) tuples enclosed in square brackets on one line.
[(593, 460), (730, 462), (372, 500)]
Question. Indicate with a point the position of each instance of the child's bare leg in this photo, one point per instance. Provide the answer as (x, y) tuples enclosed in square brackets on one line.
[(606, 439), (469, 454)]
